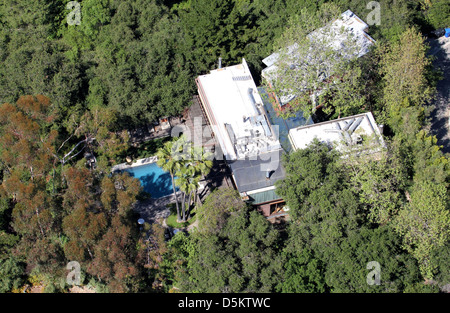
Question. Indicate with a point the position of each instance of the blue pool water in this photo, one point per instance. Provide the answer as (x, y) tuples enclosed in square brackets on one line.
[(153, 179)]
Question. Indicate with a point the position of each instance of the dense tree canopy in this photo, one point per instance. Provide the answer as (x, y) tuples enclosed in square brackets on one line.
[(70, 92), (241, 258)]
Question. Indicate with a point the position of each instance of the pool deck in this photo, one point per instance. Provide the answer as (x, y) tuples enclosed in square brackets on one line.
[(123, 166), (152, 210), (155, 210)]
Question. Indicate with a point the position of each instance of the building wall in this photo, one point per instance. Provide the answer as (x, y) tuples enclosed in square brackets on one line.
[(264, 209), (269, 208)]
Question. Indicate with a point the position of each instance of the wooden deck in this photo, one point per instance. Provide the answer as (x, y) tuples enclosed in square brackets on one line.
[(197, 123)]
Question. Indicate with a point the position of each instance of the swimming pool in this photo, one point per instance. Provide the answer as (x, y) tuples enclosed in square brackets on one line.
[(153, 179)]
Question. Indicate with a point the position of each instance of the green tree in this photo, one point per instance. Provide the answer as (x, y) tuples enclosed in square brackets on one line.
[(214, 212), (196, 163), (380, 183), (302, 273), (211, 29), (169, 160), (395, 17), (33, 62), (12, 274), (188, 185), (346, 268), (438, 13), (94, 14), (411, 88), (12, 268), (165, 71), (439, 257), (322, 202), (425, 223), (430, 163), (241, 258), (135, 61)]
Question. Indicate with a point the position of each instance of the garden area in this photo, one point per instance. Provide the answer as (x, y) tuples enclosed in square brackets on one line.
[(142, 150), (171, 220)]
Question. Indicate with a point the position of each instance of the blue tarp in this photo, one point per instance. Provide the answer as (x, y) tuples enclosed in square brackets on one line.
[(447, 32)]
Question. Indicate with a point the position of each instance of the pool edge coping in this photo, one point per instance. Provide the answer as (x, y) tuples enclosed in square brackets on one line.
[(139, 162)]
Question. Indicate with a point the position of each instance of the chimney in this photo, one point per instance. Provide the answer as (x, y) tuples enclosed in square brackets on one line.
[(220, 62)]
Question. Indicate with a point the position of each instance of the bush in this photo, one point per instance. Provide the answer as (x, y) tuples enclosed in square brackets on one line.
[(144, 150), (11, 274)]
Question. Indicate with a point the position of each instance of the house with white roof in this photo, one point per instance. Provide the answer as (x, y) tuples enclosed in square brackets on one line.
[(353, 134), (242, 127), (234, 107), (347, 36), (252, 136)]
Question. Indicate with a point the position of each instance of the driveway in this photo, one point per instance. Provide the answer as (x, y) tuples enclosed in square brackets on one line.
[(440, 116)]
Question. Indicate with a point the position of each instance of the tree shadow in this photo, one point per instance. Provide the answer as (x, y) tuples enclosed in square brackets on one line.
[(218, 173), (157, 186)]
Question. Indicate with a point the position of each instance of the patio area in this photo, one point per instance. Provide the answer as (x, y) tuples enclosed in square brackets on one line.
[(155, 210), (154, 131)]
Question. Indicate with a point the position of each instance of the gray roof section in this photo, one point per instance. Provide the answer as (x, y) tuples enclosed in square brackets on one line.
[(251, 174), (264, 197)]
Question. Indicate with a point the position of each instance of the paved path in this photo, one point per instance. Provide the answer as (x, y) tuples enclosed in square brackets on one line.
[(440, 116)]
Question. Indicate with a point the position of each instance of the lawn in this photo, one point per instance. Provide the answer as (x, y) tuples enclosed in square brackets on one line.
[(171, 221)]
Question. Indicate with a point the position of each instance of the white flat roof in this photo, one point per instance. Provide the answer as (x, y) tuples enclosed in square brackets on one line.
[(349, 22), (340, 134), (231, 101)]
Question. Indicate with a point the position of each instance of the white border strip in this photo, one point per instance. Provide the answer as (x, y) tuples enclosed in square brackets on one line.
[(136, 163)]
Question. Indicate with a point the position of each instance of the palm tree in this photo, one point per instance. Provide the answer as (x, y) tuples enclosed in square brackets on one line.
[(197, 163), (187, 181), (202, 162), (171, 163)]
